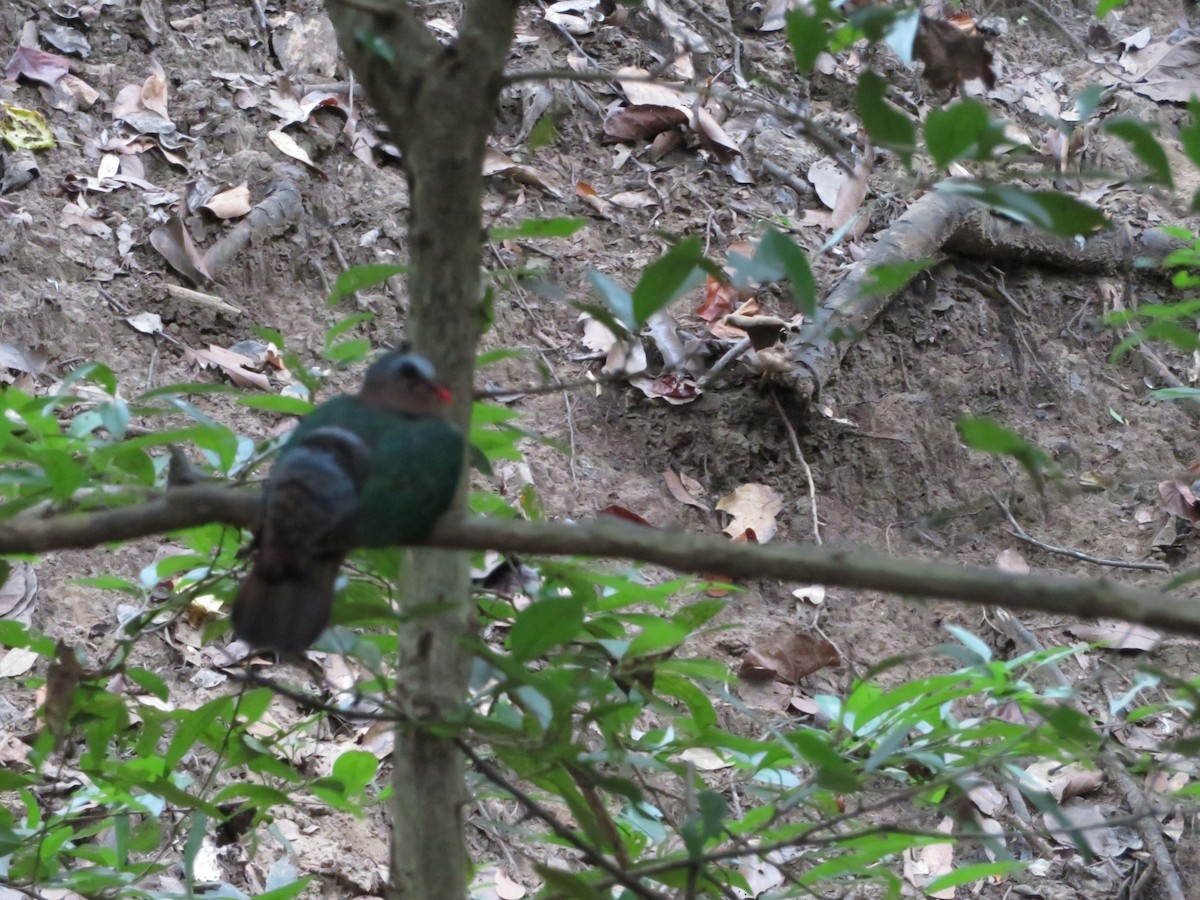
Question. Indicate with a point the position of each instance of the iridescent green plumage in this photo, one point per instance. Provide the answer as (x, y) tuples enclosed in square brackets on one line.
[(389, 445)]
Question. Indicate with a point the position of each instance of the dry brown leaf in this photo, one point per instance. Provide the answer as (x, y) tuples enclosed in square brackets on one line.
[(714, 138), (675, 389), (951, 56), (75, 214), (787, 655), (765, 694), (621, 512), (720, 299), (633, 200), (850, 197), (497, 163), (685, 489), (1178, 497), (754, 507), (641, 123), (36, 65), (232, 364), (174, 244)]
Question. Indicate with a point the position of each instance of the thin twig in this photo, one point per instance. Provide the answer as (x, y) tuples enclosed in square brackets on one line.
[(1020, 534), (590, 853), (812, 488)]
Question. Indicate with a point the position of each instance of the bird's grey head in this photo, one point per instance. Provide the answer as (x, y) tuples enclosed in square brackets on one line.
[(404, 383), (398, 367)]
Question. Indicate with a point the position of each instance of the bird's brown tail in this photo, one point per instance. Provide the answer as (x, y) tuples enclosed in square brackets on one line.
[(285, 613)]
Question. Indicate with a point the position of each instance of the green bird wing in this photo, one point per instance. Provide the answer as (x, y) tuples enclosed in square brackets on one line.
[(411, 480), (344, 411)]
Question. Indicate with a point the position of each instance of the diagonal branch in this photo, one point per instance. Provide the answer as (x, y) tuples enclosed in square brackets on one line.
[(682, 551)]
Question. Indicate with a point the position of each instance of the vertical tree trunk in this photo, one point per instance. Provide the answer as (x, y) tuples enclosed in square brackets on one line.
[(440, 104)]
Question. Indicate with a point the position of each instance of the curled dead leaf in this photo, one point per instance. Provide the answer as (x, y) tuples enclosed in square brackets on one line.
[(788, 655)]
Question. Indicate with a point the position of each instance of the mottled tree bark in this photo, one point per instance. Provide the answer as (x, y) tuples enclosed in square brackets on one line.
[(439, 102)]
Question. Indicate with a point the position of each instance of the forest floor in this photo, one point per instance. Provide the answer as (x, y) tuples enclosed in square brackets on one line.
[(888, 469)]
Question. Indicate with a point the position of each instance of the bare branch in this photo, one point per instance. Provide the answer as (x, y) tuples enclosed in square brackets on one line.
[(684, 552)]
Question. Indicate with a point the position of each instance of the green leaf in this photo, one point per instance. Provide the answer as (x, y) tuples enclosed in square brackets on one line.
[(115, 417), (545, 624), (356, 769), (1145, 147), (706, 823), (808, 36), (560, 227), (667, 278), (63, 473), (288, 891), (888, 279), (149, 682), (1189, 134), (776, 250), (344, 325), (289, 406), (974, 872), (963, 130), (1104, 7), (617, 301), (990, 437), (887, 126), (1049, 210), (543, 133), (356, 278)]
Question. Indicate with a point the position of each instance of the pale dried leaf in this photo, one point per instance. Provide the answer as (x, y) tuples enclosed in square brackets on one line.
[(231, 203), (705, 759), (752, 506), (827, 178), (154, 92), (17, 661), (760, 875), (507, 889), (647, 93), (232, 364), (1118, 635), (146, 322), (596, 335), (814, 594), (1009, 560), (17, 592), (287, 145)]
